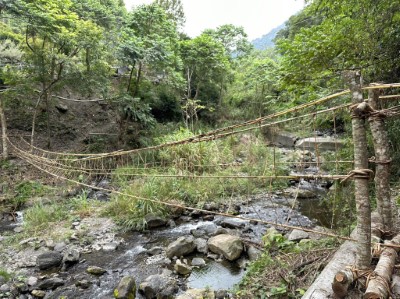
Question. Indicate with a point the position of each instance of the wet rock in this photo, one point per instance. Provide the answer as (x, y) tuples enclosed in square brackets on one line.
[(94, 270), (201, 245), (71, 256), (208, 217), (83, 284), (197, 294), (21, 287), (154, 221), (126, 288), (158, 286), (109, 247), (38, 293), (211, 206), (182, 246), (197, 233), (209, 227), (51, 283), (155, 250), (233, 223), (49, 260), (182, 268), (253, 253), (297, 235), (198, 262), (32, 281), (229, 246)]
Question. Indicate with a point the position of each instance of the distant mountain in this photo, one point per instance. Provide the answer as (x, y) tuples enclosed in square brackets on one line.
[(266, 41)]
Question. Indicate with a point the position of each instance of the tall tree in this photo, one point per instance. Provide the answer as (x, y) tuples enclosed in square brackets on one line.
[(174, 10)]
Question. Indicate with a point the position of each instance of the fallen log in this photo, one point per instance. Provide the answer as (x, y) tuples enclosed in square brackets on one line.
[(345, 277), (322, 287), (379, 284)]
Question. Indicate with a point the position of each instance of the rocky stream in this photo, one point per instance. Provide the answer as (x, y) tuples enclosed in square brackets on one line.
[(194, 255)]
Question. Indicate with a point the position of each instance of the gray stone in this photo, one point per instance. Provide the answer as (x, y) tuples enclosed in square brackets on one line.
[(110, 247), (209, 227), (126, 288), (49, 260), (253, 253), (297, 235), (59, 246), (51, 283), (197, 233), (182, 246), (38, 293), (300, 193), (158, 286), (281, 138), (5, 288), (233, 223), (31, 281), (320, 143), (182, 268), (197, 294), (221, 294), (18, 229), (198, 262), (229, 246), (83, 284), (62, 108), (71, 256), (155, 250), (153, 221), (201, 245), (94, 270)]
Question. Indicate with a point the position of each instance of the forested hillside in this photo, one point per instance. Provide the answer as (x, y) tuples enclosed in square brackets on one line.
[(182, 125)]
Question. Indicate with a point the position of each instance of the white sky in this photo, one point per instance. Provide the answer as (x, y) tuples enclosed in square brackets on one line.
[(257, 17)]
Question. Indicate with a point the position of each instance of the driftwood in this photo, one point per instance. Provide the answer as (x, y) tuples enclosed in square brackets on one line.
[(379, 284)]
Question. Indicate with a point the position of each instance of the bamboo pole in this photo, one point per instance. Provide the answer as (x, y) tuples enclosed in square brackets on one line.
[(3, 125)]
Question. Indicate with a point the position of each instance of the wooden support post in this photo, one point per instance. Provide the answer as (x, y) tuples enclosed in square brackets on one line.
[(3, 130), (379, 284), (382, 160), (360, 182)]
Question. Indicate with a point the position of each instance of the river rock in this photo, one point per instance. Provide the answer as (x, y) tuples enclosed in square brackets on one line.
[(158, 286), (201, 245), (253, 253), (31, 281), (71, 256), (300, 193), (51, 283), (197, 294), (49, 260), (297, 235), (182, 268), (320, 143), (62, 108), (233, 223), (155, 250), (197, 233), (229, 246), (182, 246), (95, 270), (198, 262), (221, 294), (126, 288), (209, 227), (154, 221), (38, 293), (83, 284), (60, 246), (18, 229), (109, 247)]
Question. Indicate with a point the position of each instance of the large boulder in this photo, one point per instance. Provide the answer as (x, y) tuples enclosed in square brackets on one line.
[(229, 246), (49, 260), (126, 288), (182, 246), (158, 286), (71, 256)]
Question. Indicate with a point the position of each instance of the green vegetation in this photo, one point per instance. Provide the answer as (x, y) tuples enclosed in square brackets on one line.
[(192, 174), (285, 268)]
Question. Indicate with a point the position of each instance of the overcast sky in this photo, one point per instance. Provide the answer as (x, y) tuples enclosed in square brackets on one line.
[(257, 17)]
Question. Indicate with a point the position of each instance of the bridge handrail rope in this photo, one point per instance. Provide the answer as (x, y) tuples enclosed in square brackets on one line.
[(169, 204)]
